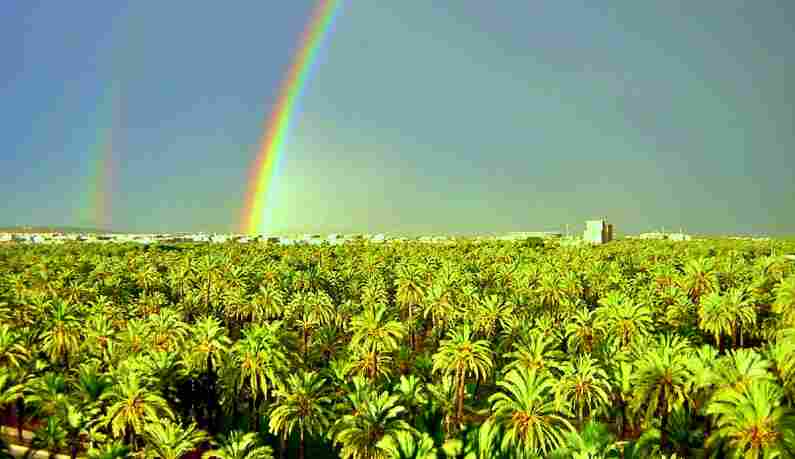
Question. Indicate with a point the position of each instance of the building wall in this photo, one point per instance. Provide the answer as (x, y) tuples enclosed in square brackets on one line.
[(595, 232)]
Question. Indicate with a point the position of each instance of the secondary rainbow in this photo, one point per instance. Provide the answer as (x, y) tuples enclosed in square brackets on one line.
[(273, 142)]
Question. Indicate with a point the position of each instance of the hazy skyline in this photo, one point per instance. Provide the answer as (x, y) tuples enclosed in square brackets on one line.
[(460, 116)]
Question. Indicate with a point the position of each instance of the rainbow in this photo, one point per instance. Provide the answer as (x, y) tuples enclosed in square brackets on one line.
[(102, 181), (274, 140), (96, 207)]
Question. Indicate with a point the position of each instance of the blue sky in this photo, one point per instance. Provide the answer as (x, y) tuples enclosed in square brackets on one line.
[(449, 116)]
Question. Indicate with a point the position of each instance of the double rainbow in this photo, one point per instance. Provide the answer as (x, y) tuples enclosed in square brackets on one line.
[(273, 141)]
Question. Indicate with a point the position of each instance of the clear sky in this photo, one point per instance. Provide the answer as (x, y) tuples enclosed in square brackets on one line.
[(444, 116)]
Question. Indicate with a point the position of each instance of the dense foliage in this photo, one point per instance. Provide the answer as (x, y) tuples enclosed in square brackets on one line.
[(492, 350)]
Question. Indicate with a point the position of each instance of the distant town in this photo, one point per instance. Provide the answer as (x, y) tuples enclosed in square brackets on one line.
[(596, 232)]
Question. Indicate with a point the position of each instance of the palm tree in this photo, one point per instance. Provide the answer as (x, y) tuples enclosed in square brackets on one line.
[(740, 369), (309, 311), (78, 422), (460, 356), (700, 278), (12, 352), (208, 346), (584, 385), (490, 313), (112, 450), (167, 439), (374, 333), (301, 405), (238, 445), (714, 318), (584, 332), (132, 407), (662, 380), (623, 318), (753, 422), (594, 441), (526, 413), (365, 433), (62, 334), (47, 393), (405, 445), (51, 437), (784, 304), (409, 294), (412, 394), (268, 303), (782, 355), (262, 362), (535, 350), (10, 393)]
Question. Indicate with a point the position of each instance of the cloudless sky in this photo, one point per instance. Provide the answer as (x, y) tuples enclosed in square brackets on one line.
[(446, 116)]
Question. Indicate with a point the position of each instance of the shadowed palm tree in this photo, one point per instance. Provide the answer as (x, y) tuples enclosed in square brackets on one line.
[(12, 351), (309, 310), (112, 450), (583, 331), (10, 393), (166, 439), (61, 337), (409, 294), (623, 318), (47, 394), (585, 387), (753, 422), (406, 445), (364, 434), (740, 369), (714, 318), (207, 348), (132, 407), (699, 278), (594, 441), (238, 445), (50, 437), (535, 350), (375, 333), (262, 362), (462, 357), (784, 304), (525, 412), (303, 406), (662, 380)]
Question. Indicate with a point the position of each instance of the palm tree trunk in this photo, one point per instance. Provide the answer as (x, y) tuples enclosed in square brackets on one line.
[(212, 409), (411, 328), (254, 416), (460, 410), (19, 408), (301, 445), (207, 295), (283, 445), (663, 423), (306, 342)]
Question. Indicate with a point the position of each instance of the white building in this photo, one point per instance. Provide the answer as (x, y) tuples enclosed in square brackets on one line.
[(597, 232)]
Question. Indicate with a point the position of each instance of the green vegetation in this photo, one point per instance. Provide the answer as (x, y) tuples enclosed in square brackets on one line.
[(494, 350)]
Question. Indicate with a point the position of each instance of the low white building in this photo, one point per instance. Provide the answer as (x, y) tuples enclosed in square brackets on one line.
[(597, 232)]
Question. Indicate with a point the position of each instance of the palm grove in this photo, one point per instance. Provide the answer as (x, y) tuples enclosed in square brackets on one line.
[(492, 350)]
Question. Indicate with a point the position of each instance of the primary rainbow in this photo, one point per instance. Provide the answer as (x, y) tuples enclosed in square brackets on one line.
[(96, 206), (102, 181), (273, 141)]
